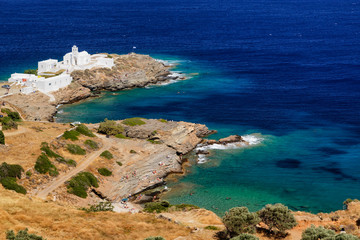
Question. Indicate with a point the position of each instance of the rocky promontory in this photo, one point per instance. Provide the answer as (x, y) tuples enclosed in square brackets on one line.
[(130, 71)]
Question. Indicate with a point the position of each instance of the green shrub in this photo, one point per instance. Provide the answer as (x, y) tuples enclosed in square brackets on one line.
[(277, 216), (345, 236), (79, 184), (91, 144), (10, 184), (211, 228), (28, 173), (163, 120), (106, 154), (2, 138), (156, 206), (132, 151), (75, 149), (239, 220), (315, 233), (71, 162), (50, 153), (22, 235), (133, 121), (110, 127), (72, 135), (43, 165), (155, 238), (14, 116), (10, 170), (105, 172), (84, 130), (349, 200), (31, 71), (7, 123), (5, 110), (100, 207), (245, 236), (154, 141), (184, 207), (122, 136), (119, 163)]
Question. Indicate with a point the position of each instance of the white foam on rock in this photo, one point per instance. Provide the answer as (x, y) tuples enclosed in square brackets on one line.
[(250, 140)]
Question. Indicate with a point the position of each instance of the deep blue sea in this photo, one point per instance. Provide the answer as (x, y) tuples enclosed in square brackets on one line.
[(287, 70)]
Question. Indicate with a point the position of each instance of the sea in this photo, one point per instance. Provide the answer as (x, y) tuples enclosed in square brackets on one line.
[(285, 74)]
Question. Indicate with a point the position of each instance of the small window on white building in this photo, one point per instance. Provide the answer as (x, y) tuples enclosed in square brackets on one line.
[(49, 84)]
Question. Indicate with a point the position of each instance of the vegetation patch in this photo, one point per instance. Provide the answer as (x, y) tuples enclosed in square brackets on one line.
[(245, 236), (154, 141), (10, 184), (136, 121), (43, 166), (105, 172), (10, 170), (2, 138), (31, 71), (323, 233), (13, 115), (106, 154), (277, 216), (163, 120), (119, 163), (79, 184), (164, 206), (28, 173), (50, 153), (72, 135), (22, 235), (132, 151), (84, 130), (155, 238), (211, 228), (101, 207), (122, 136), (8, 123), (110, 127), (75, 149), (91, 144), (240, 220), (71, 163)]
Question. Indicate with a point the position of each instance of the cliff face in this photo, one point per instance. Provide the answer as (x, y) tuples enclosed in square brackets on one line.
[(130, 71)]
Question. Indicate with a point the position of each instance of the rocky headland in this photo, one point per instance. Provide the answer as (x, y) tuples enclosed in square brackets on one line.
[(130, 71)]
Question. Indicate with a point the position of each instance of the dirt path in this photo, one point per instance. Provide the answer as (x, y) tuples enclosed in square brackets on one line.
[(57, 182), (20, 130)]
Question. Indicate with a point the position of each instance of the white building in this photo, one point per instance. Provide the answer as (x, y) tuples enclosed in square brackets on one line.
[(53, 75)]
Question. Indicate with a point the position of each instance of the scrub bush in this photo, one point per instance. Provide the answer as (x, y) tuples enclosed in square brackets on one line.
[(277, 216), (7, 123), (79, 184), (156, 206), (345, 236), (132, 151), (5, 110), (91, 144), (22, 235), (71, 162), (211, 228), (315, 233), (136, 121), (50, 153), (10, 184), (84, 130), (72, 135), (10, 170), (163, 120), (106, 154), (110, 127), (75, 149), (245, 236), (14, 116), (43, 166), (31, 71), (105, 172), (120, 135), (101, 207), (239, 220), (155, 238), (2, 138), (119, 163)]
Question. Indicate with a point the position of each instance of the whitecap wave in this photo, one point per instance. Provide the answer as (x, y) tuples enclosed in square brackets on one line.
[(250, 140)]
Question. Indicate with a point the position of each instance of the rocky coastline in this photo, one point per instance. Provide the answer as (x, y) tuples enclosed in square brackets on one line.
[(130, 71)]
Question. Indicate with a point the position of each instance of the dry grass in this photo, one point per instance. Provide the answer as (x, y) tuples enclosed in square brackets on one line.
[(24, 148), (56, 222)]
